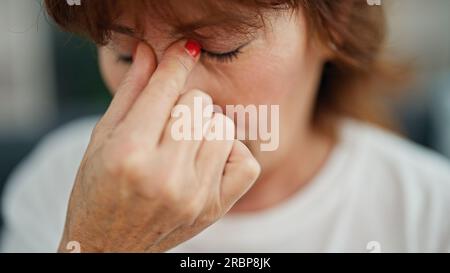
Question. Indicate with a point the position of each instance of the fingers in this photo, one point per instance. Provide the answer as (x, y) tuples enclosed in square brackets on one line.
[(151, 111), (240, 172), (136, 79), (185, 130), (216, 148)]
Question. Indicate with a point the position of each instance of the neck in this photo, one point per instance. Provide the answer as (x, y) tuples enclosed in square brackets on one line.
[(293, 170)]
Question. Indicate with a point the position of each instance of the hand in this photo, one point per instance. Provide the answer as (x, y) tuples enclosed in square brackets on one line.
[(138, 189)]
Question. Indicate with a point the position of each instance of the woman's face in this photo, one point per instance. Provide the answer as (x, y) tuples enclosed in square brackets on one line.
[(277, 64)]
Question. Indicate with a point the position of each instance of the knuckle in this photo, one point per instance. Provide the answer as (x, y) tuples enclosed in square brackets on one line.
[(168, 187), (125, 160), (132, 169), (250, 169), (168, 194)]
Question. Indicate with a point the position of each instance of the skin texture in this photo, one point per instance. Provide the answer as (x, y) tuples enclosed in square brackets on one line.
[(139, 190), (280, 66)]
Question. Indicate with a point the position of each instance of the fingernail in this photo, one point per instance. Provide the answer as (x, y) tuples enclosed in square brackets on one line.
[(193, 48)]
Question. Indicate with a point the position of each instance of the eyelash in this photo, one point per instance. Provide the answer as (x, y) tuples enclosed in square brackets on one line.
[(227, 57)]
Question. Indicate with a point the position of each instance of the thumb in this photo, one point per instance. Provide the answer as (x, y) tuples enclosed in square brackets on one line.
[(240, 173)]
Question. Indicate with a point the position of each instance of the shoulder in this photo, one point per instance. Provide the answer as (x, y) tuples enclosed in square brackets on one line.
[(385, 151), (60, 152), (36, 195), (402, 184), (56, 156), (73, 135)]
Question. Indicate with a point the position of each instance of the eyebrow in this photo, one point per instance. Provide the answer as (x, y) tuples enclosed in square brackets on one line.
[(190, 28), (126, 31)]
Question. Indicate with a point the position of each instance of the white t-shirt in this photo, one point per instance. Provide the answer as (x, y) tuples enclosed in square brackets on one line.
[(377, 192)]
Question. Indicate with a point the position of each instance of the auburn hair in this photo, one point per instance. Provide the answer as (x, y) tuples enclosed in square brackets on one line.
[(353, 81)]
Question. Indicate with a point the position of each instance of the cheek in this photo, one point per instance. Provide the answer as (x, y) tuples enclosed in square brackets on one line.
[(264, 82), (112, 71), (269, 80)]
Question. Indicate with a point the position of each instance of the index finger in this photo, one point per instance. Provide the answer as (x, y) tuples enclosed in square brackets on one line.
[(153, 107)]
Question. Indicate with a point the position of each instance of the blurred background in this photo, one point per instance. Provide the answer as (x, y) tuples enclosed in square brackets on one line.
[(48, 78)]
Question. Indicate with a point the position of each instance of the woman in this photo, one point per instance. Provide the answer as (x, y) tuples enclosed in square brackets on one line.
[(334, 183)]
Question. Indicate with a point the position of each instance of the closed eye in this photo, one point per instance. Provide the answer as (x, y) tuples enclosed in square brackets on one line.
[(226, 57)]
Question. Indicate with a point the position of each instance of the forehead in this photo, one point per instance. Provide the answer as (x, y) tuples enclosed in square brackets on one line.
[(193, 18)]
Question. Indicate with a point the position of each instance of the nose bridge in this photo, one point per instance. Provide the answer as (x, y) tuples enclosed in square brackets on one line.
[(159, 45), (159, 53), (199, 78)]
